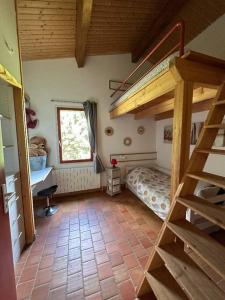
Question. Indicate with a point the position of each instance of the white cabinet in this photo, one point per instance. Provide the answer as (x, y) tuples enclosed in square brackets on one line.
[(12, 170), (15, 215), (113, 181)]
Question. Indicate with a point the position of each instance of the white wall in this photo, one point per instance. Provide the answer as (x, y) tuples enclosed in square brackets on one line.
[(61, 79), (211, 42), (215, 163)]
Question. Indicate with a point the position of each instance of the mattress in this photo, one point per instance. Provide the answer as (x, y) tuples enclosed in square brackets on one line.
[(152, 187), (164, 65)]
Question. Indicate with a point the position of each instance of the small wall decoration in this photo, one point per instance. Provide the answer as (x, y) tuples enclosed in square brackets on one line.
[(195, 131), (168, 134), (141, 130), (127, 141), (109, 131)]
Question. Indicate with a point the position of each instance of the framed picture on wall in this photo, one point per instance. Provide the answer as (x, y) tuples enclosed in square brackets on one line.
[(195, 131), (168, 134)]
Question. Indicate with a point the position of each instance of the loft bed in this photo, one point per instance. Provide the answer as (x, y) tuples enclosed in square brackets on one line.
[(176, 86)]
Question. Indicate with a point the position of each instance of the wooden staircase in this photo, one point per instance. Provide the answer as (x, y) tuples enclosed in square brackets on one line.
[(171, 273)]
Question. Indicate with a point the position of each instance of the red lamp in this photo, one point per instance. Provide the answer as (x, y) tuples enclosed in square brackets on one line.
[(114, 162)]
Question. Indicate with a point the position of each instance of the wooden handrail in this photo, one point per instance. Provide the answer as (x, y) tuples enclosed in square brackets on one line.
[(180, 45)]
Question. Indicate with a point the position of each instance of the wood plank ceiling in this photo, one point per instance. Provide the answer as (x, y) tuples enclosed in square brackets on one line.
[(58, 28)]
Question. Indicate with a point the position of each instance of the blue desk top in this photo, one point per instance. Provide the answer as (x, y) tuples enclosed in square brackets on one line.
[(39, 176)]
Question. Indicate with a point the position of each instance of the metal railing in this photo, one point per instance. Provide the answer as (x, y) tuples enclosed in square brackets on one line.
[(179, 26)]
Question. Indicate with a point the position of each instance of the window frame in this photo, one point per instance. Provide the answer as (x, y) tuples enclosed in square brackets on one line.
[(60, 138)]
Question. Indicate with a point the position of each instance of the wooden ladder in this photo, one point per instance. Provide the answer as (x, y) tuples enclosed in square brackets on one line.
[(171, 273)]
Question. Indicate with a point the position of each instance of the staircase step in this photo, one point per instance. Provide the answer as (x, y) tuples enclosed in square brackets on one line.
[(212, 212), (164, 285), (209, 178), (219, 126), (220, 102), (211, 151), (189, 276), (205, 246)]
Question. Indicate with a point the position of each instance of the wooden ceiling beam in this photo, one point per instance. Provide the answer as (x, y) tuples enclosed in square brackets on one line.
[(196, 107), (162, 20), (199, 94), (84, 12)]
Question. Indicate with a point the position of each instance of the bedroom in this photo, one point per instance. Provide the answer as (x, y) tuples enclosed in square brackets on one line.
[(96, 245)]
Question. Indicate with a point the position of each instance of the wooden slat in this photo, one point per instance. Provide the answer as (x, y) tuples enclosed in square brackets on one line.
[(46, 11), (211, 151), (212, 212), (195, 283), (46, 4), (43, 17), (209, 178), (206, 247), (164, 285), (84, 11), (215, 126), (221, 102)]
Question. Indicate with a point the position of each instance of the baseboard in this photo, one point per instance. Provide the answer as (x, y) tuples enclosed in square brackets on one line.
[(57, 197)]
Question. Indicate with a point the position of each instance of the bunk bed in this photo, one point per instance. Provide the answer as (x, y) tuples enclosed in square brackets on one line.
[(177, 85), (183, 85)]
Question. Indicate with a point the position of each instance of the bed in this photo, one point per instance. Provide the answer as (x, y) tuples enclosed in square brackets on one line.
[(152, 187), (163, 66)]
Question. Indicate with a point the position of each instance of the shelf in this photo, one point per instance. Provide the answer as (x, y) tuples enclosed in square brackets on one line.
[(3, 117), (7, 146)]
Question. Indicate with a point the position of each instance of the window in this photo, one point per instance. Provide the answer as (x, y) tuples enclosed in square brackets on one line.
[(74, 144)]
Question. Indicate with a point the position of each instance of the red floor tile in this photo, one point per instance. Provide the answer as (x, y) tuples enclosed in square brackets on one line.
[(121, 273), (46, 261), (93, 248), (105, 271), (127, 290), (116, 259), (146, 242), (91, 285), (40, 292), (74, 266), (89, 268), (131, 261), (28, 273), (109, 288), (24, 290), (78, 295), (75, 283), (43, 276), (59, 278)]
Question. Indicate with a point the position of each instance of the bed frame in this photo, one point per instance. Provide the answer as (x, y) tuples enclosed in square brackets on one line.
[(187, 86)]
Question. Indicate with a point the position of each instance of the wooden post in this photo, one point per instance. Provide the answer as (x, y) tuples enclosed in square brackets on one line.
[(181, 132), (24, 167)]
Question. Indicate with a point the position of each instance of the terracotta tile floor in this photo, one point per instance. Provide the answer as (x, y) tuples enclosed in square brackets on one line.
[(95, 247)]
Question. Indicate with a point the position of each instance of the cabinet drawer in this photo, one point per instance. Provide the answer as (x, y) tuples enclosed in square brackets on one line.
[(114, 188), (113, 173), (114, 181), (14, 208)]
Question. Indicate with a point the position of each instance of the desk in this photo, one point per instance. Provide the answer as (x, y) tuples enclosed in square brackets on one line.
[(39, 176)]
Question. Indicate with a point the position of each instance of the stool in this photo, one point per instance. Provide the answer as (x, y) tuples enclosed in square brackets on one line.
[(49, 210)]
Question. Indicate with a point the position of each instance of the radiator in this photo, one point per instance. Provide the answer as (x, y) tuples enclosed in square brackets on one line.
[(75, 179)]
